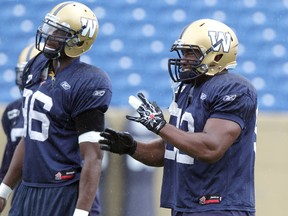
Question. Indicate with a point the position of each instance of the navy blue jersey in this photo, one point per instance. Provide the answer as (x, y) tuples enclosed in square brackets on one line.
[(191, 185), (12, 123), (52, 156)]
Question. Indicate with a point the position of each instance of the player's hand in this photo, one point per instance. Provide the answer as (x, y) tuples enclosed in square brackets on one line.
[(151, 116), (117, 142), (2, 204)]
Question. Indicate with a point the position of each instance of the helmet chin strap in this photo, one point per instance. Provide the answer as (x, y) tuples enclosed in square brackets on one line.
[(187, 77), (50, 54)]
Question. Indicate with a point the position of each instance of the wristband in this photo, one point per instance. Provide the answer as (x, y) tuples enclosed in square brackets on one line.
[(91, 136), (80, 212), (5, 191)]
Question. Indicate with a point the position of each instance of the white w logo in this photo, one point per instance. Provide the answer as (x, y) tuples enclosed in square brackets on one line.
[(225, 39), (91, 26)]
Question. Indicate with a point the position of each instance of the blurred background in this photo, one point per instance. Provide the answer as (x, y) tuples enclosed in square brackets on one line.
[(133, 46)]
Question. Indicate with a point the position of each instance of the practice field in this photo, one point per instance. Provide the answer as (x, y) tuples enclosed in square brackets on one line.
[(271, 168)]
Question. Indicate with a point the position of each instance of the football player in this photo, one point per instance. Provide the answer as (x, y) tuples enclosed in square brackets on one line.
[(64, 105), (208, 147), (12, 120)]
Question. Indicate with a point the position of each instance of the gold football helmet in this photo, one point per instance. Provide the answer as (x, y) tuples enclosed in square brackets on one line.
[(27, 54), (214, 45), (70, 28)]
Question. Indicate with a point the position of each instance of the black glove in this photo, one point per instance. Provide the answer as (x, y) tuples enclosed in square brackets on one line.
[(151, 116), (117, 142)]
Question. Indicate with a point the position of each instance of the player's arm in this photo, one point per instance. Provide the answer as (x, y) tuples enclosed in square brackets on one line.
[(5, 122), (151, 154), (6, 127), (210, 145), (92, 157), (13, 174), (90, 174)]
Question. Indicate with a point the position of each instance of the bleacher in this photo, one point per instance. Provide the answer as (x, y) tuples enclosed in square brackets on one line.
[(135, 37)]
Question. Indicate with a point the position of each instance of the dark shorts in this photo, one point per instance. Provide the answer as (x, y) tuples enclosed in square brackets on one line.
[(44, 201), (213, 213)]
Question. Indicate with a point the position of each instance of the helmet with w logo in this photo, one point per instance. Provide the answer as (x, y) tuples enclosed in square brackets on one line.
[(70, 28), (26, 55), (214, 46)]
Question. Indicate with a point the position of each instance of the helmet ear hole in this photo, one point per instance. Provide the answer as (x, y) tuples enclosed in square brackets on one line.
[(218, 57), (80, 43), (73, 41)]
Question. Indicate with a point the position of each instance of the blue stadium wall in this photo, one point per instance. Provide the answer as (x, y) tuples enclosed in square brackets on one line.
[(135, 37), (133, 46)]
